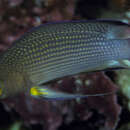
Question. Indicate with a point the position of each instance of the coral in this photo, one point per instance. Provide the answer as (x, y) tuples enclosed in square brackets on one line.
[(12, 12), (50, 113), (124, 82), (120, 5), (57, 10), (125, 127)]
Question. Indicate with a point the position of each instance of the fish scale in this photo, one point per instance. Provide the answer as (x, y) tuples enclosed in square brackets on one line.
[(68, 60), (56, 48)]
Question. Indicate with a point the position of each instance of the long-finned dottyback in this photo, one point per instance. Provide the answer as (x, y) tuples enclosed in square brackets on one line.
[(55, 50)]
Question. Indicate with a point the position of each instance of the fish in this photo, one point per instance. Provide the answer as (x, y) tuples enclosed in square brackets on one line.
[(52, 51)]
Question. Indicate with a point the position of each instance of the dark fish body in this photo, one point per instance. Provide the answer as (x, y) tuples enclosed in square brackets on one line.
[(56, 50)]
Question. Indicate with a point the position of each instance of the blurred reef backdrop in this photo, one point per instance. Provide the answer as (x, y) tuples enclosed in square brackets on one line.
[(93, 113)]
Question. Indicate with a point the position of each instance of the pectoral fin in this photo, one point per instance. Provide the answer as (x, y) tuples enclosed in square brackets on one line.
[(51, 94)]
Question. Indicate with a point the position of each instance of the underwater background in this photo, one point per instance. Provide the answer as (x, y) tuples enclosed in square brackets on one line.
[(93, 113)]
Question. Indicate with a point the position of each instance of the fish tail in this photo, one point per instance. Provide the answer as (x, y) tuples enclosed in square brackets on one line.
[(50, 94)]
